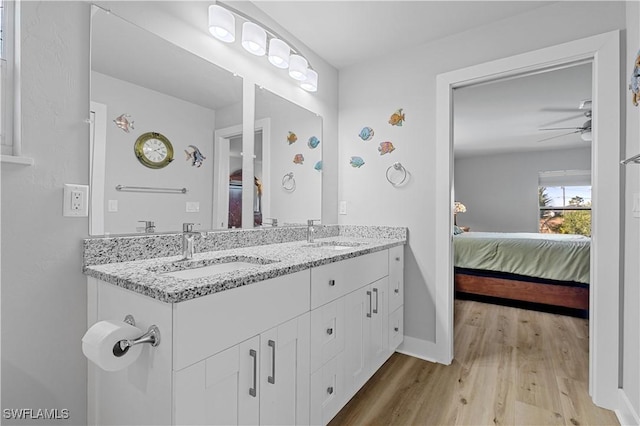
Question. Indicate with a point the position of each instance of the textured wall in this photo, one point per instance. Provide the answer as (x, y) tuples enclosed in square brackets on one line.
[(44, 297)]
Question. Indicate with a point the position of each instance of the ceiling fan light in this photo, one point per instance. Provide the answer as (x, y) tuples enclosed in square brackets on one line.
[(311, 83), (587, 136), (298, 67), (279, 52), (222, 24), (254, 39)]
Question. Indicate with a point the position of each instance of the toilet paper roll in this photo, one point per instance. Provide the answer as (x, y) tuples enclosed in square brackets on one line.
[(99, 341)]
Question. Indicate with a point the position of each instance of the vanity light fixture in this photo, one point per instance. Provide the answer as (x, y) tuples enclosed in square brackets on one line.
[(279, 52), (311, 83), (256, 37), (298, 67), (222, 24)]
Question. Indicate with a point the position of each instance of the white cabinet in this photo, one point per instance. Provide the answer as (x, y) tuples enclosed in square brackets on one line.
[(263, 380), (288, 350), (366, 339)]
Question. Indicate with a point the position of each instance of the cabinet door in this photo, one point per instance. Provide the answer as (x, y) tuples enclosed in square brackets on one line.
[(220, 389), (285, 373), (396, 277), (327, 391), (358, 314), (379, 324), (396, 329)]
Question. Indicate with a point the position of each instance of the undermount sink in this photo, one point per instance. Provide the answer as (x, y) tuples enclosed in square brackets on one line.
[(333, 245), (199, 269)]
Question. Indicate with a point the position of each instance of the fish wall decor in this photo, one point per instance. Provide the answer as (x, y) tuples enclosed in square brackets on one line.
[(124, 122), (318, 166), (385, 147), (195, 156), (397, 118), (313, 142), (298, 159), (292, 138), (356, 162), (366, 134)]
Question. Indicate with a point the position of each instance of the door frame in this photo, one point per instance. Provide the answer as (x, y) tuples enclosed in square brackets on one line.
[(603, 51)]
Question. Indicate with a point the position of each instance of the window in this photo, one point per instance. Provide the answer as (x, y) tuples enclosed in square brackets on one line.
[(9, 76), (564, 200)]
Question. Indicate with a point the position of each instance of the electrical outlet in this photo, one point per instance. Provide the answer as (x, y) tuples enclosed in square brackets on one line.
[(75, 200), (193, 207), (112, 206)]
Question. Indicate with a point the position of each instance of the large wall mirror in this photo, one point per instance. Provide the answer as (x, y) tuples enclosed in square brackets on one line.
[(145, 92)]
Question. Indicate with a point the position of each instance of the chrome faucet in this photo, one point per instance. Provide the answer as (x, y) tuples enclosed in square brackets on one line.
[(311, 230), (188, 236), (149, 226)]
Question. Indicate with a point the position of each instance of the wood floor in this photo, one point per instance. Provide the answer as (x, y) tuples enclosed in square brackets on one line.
[(511, 367)]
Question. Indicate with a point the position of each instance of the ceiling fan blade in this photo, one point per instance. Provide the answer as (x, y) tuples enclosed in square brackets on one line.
[(558, 136), (561, 120), (564, 128)]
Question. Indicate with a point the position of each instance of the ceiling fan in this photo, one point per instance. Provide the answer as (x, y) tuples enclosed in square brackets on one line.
[(584, 130)]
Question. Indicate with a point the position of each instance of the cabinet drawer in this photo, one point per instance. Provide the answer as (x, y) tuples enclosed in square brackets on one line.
[(396, 277), (396, 328), (327, 391), (327, 332), (210, 324), (329, 282)]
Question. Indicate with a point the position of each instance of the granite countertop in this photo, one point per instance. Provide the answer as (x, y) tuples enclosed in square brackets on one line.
[(272, 260)]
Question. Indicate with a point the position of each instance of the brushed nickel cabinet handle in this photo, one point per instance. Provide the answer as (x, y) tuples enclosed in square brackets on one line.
[(396, 291), (330, 390), (332, 283), (272, 379), (395, 329), (369, 313), (329, 331), (254, 354), (375, 290), (397, 259)]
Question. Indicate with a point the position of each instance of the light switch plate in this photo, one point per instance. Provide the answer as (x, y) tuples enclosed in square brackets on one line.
[(75, 200), (112, 206), (343, 207)]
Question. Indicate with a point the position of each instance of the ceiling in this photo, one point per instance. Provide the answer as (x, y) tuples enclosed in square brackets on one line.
[(351, 32), (507, 115)]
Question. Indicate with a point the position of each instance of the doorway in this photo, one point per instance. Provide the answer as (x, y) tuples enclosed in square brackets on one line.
[(604, 52)]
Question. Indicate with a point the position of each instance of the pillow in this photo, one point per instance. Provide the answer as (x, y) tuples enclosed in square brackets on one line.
[(457, 230)]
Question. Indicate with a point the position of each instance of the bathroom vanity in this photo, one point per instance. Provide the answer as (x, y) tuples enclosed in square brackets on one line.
[(282, 333)]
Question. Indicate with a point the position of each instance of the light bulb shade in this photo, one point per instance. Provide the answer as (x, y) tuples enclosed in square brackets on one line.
[(459, 207), (279, 52), (298, 67), (254, 39), (222, 24), (587, 136), (311, 83)]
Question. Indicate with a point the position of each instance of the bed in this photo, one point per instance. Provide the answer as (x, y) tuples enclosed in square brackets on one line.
[(539, 271)]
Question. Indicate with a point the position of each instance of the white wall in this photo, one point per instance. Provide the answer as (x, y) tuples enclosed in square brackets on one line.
[(184, 124), (44, 297), (630, 294), (370, 92), (501, 191), (305, 202)]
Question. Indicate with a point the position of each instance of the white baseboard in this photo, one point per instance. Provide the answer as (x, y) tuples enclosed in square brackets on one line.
[(423, 349), (626, 413)]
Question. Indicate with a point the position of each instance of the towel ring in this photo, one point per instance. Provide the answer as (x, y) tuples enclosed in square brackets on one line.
[(289, 182), (399, 167)]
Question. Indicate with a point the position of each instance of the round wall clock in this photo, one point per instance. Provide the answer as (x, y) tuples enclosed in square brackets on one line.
[(153, 150)]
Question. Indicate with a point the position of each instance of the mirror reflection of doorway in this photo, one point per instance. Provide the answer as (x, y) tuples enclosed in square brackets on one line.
[(235, 181)]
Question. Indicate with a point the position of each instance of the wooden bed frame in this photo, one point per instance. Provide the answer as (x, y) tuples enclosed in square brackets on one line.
[(564, 296)]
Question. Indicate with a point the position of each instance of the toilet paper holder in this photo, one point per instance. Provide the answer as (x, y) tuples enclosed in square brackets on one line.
[(151, 336)]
